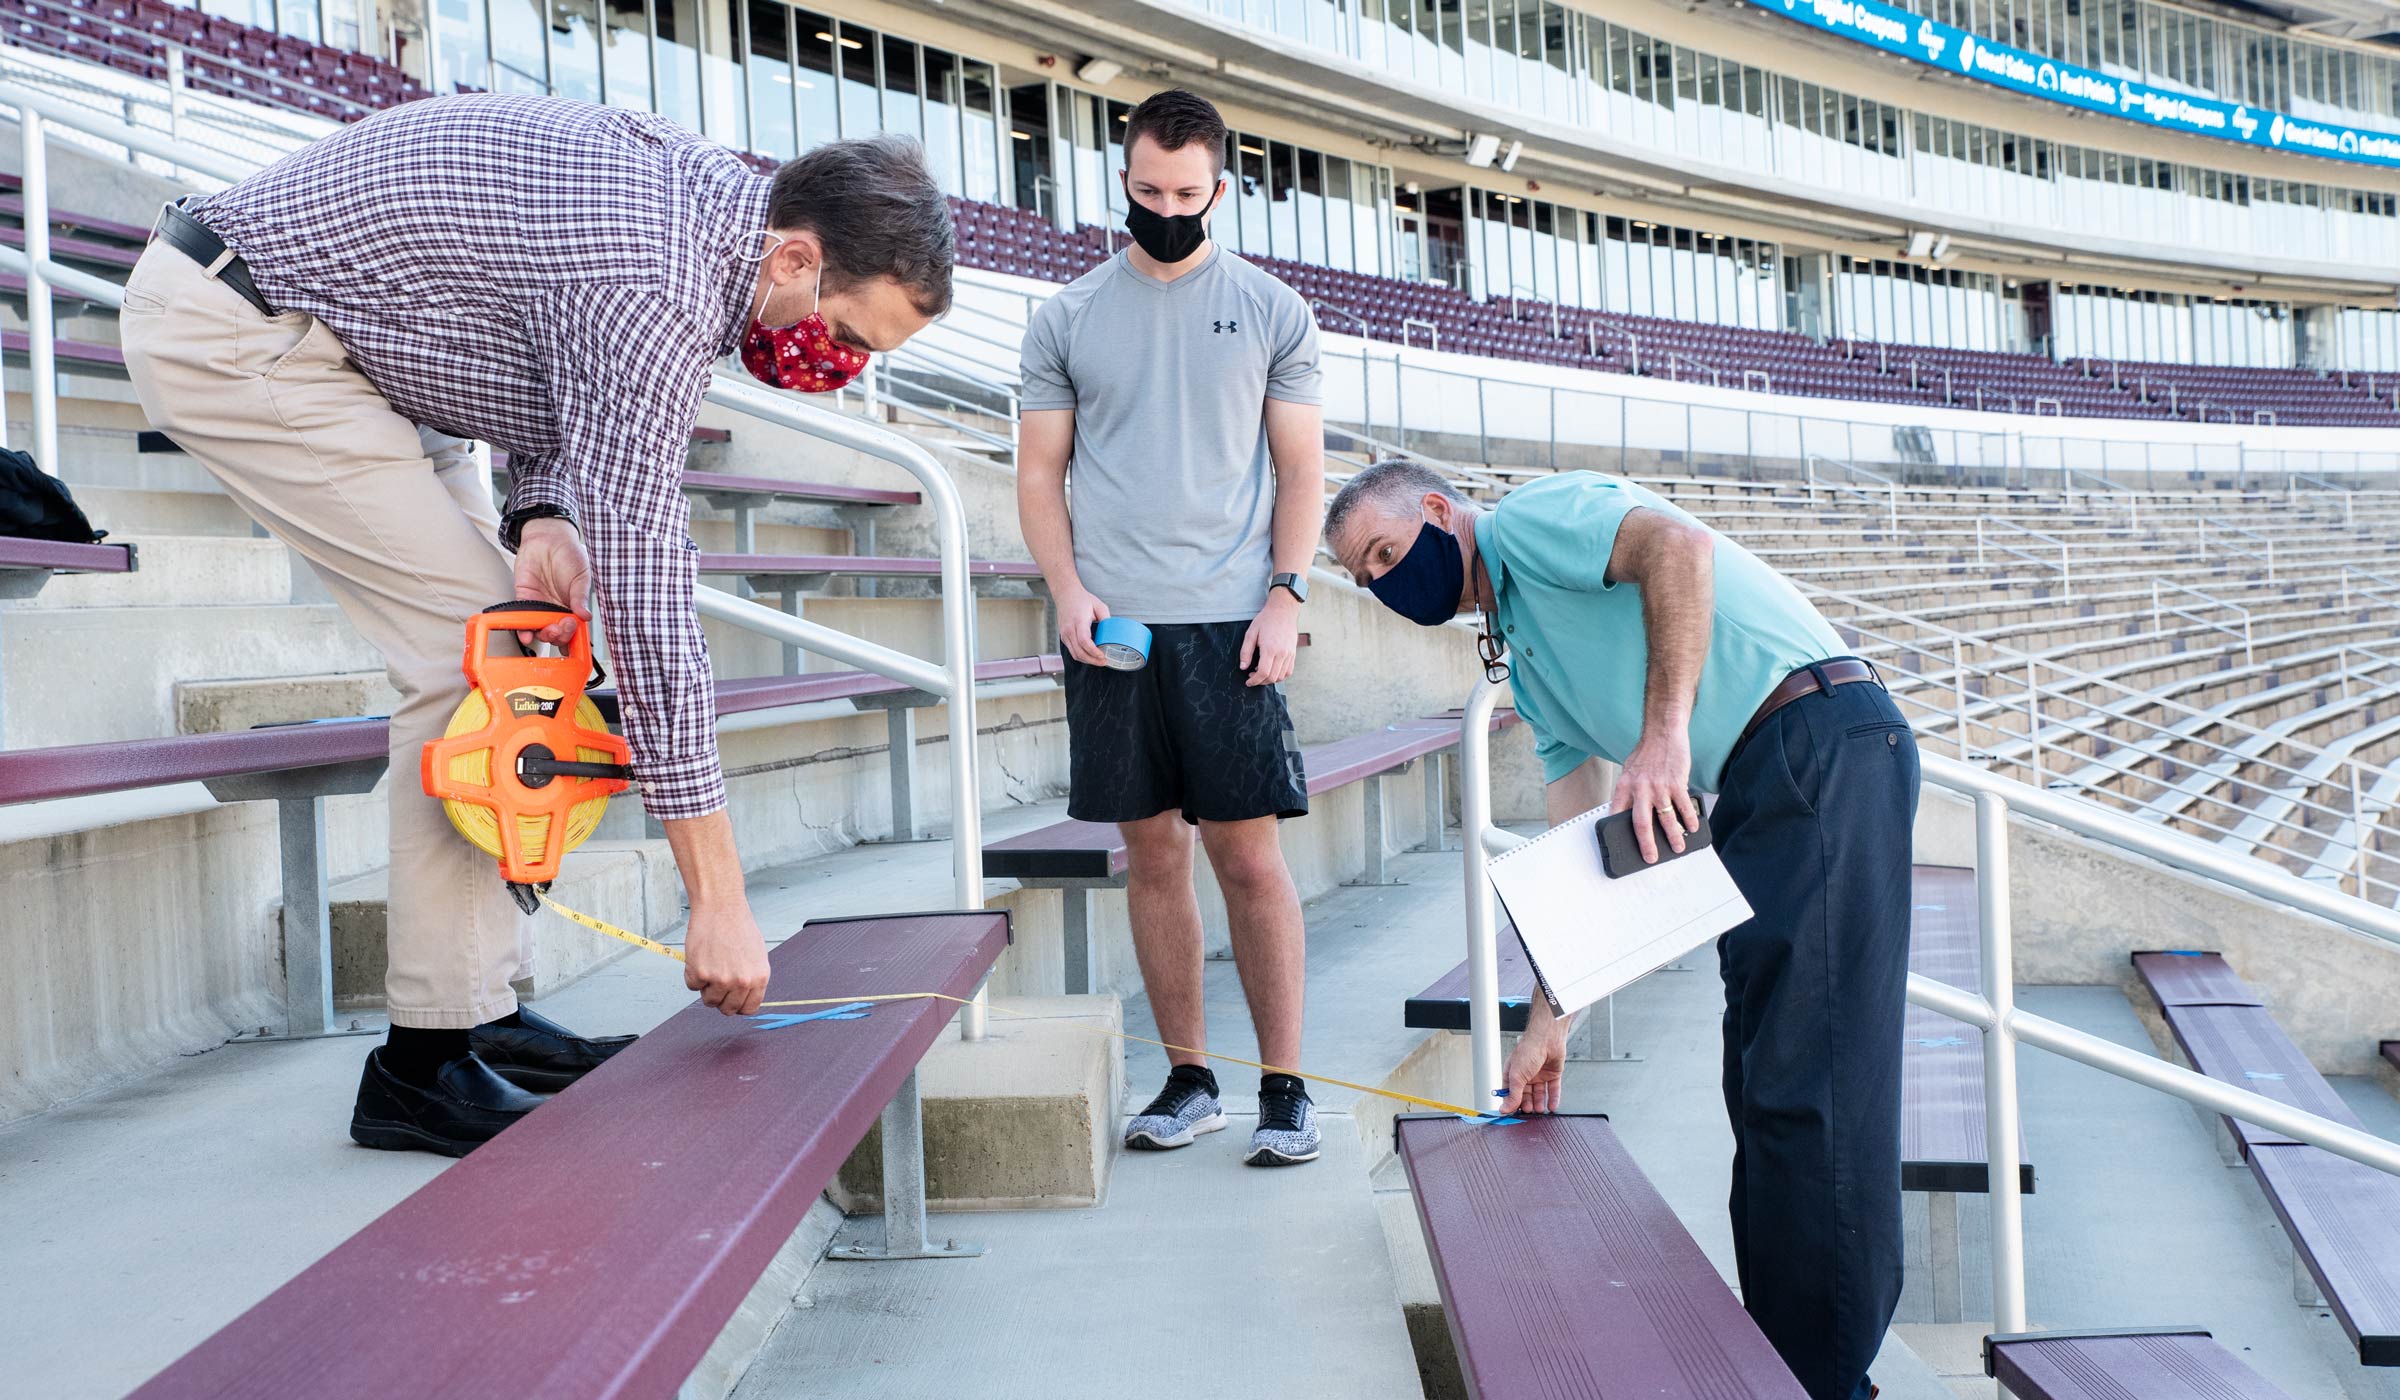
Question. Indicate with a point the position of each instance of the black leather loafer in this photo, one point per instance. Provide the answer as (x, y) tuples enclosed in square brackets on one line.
[(467, 1107), (541, 1055)]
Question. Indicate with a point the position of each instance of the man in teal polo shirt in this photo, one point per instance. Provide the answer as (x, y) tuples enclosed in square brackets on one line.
[(1636, 634)]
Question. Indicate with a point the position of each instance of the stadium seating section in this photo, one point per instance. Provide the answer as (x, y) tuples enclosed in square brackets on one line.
[(237, 60)]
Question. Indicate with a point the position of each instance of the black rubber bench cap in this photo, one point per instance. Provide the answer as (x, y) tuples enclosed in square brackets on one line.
[(2154, 1363)]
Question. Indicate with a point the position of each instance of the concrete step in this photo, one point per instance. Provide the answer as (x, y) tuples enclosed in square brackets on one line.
[(1023, 1119), (219, 707), (185, 571), (142, 512), (93, 674)]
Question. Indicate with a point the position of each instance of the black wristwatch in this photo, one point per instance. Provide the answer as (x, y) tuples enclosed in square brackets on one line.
[(512, 525), (1294, 584)]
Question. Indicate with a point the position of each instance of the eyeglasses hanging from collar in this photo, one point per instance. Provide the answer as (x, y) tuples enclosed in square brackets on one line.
[(1491, 649)]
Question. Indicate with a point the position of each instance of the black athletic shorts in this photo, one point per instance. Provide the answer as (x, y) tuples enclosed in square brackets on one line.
[(1185, 733)]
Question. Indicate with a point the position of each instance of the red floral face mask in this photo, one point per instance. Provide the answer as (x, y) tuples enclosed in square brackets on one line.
[(802, 356)]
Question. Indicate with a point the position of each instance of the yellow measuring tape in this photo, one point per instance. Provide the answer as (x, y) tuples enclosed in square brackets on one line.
[(652, 944)]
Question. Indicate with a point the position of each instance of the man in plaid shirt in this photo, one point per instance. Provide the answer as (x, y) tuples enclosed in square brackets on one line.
[(558, 280)]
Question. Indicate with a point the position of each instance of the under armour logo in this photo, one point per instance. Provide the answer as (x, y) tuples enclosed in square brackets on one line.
[(1221, 327)]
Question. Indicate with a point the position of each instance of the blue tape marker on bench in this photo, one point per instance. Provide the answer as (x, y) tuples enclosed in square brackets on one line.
[(855, 1011)]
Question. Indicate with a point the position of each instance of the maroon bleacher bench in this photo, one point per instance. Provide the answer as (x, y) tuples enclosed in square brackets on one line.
[(599, 1246), (83, 353), (2391, 1052), (298, 766), (2151, 1363), (25, 564), (1564, 1273), (774, 572), (1941, 1065), (2343, 1218), (1078, 858), (865, 690), (858, 506)]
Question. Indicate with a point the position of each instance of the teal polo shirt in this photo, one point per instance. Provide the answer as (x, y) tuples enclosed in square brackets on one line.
[(1577, 649)]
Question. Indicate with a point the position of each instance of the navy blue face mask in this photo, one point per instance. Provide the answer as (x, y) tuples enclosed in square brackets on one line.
[(1425, 585)]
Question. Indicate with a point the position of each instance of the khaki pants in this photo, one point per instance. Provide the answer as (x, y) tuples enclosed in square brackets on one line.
[(399, 524)]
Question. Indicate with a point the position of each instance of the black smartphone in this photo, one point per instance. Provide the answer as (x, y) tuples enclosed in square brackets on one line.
[(1619, 856)]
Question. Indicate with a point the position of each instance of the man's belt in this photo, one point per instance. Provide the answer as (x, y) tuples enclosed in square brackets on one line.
[(192, 238), (1842, 670)]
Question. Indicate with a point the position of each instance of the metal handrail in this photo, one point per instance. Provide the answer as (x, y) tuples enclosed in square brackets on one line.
[(1432, 331), (1455, 473), (1891, 487), (2066, 575), (1365, 331), (2229, 760), (2019, 659), (2227, 527), (1992, 1012), (2157, 618), (1515, 313)]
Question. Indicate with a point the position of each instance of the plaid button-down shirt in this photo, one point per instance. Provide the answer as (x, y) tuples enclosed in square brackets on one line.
[(558, 280)]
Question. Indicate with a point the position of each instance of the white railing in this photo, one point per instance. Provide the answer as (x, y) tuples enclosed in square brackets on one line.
[(1989, 527), (2012, 687), (2159, 614), (1994, 1011), (1888, 497), (952, 679), (2227, 532)]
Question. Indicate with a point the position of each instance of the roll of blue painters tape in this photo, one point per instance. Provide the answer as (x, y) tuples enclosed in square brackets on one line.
[(1125, 642)]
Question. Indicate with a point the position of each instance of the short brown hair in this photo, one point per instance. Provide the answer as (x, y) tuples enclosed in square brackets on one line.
[(874, 206), (1175, 118)]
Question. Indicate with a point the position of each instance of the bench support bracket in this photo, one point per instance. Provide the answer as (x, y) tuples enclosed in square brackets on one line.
[(1376, 837), (904, 1190), (299, 797), (1946, 1274), (1075, 938), (1437, 805)]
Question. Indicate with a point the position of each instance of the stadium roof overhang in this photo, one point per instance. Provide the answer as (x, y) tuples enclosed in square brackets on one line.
[(1174, 41), (2334, 19)]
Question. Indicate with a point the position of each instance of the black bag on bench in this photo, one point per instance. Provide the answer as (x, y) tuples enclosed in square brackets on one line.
[(37, 506)]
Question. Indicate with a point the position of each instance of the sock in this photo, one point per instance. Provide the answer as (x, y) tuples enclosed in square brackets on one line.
[(1197, 1074), (414, 1054), (1282, 1083)]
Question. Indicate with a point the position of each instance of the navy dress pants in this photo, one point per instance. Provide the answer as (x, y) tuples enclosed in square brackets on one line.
[(1813, 820)]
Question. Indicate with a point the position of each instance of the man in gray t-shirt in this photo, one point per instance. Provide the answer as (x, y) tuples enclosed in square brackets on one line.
[(1178, 386)]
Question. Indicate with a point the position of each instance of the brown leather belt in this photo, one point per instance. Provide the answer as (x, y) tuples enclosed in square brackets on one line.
[(1841, 670)]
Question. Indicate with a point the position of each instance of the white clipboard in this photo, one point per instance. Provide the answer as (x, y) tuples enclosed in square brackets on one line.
[(1588, 935)]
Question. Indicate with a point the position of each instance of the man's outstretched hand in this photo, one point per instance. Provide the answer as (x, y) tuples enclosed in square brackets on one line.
[(1536, 1075), (552, 567), (725, 958)]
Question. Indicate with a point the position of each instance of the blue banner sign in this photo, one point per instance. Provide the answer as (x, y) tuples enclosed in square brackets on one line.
[(1897, 31)]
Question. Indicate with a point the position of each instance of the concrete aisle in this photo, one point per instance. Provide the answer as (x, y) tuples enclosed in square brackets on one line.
[(144, 1218), (1197, 1276)]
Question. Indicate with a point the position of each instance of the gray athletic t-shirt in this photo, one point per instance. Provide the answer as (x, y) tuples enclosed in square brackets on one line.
[(1172, 491)]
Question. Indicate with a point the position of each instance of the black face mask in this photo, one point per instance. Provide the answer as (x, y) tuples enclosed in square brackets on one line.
[(1170, 238), (1424, 584)]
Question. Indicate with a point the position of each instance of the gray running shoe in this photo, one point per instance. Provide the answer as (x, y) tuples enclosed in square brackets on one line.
[(1287, 1124), (1183, 1110)]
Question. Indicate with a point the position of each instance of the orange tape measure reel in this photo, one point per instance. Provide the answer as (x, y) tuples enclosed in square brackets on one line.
[(527, 765)]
